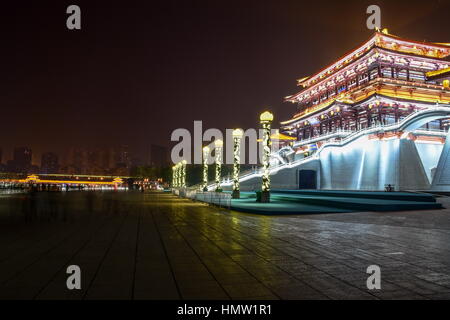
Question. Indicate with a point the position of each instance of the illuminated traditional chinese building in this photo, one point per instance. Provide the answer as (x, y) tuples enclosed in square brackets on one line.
[(377, 118), (379, 83)]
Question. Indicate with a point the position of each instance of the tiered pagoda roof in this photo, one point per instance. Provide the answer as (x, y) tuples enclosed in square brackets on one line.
[(382, 46)]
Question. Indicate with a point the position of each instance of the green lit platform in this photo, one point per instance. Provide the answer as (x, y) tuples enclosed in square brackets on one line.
[(403, 196), (290, 202)]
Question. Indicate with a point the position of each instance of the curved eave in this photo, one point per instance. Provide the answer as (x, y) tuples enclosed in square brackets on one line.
[(347, 56), (331, 103), (293, 98), (302, 80), (319, 109), (438, 73), (371, 43)]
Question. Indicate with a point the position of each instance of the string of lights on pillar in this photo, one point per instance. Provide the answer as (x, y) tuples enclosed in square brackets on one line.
[(237, 136), (174, 177), (205, 168), (183, 173), (178, 175), (266, 119), (218, 156)]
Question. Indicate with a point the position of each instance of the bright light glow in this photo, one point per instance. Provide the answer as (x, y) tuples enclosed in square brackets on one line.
[(35, 179), (266, 117), (238, 133), (218, 143)]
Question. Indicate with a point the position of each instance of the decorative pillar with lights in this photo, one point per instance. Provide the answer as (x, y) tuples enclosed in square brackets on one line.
[(218, 156), (183, 173), (237, 136), (177, 175), (266, 120), (174, 176), (205, 168)]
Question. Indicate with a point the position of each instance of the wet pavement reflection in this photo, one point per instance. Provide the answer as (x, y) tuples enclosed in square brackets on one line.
[(133, 245), (42, 206)]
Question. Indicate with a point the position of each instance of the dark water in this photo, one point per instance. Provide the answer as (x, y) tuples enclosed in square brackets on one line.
[(43, 207)]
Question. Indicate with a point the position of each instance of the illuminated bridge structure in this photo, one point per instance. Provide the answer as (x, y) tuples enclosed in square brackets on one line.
[(60, 179)]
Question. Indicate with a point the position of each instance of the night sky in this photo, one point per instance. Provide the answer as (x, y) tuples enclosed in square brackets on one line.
[(140, 69)]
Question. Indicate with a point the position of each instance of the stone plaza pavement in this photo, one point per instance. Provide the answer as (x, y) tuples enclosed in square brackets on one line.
[(157, 246)]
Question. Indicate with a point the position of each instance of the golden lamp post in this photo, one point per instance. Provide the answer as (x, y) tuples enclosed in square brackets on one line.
[(266, 119), (237, 136), (205, 168), (218, 156)]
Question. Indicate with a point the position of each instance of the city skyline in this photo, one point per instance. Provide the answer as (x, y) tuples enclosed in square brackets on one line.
[(82, 160), (168, 65)]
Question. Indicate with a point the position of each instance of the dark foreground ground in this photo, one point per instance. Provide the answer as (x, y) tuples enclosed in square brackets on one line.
[(155, 246)]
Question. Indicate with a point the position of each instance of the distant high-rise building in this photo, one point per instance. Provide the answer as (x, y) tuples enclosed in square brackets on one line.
[(21, 162), (104, 159), (3, 167), (121, 159), (23, 156), (49, 163), (94, 160), (124, 156), (158, 156), (78, 160)]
